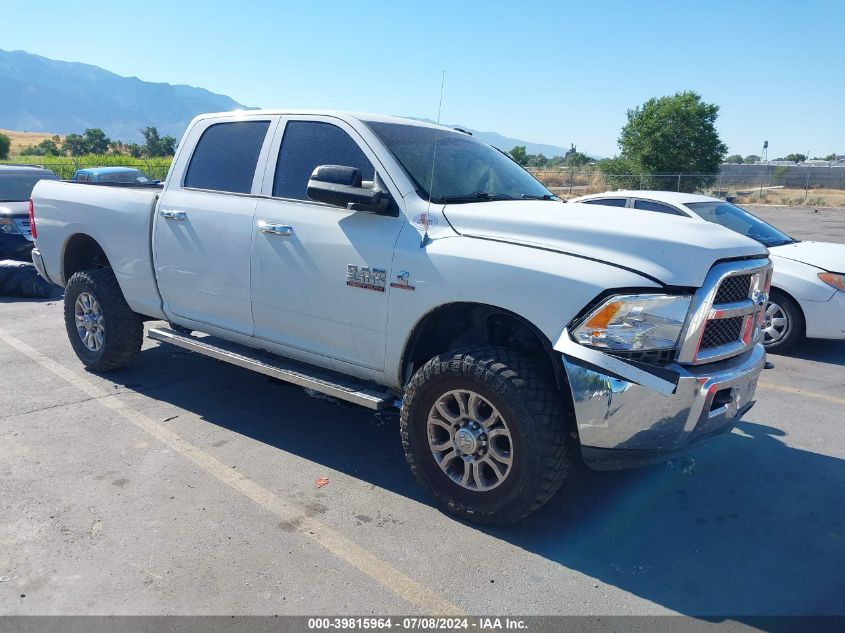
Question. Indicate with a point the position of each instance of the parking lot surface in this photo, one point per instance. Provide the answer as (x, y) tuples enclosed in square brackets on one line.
[(183, 485)]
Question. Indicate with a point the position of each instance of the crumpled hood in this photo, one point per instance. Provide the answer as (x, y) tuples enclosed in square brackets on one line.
[(824, 255), (675, 250)]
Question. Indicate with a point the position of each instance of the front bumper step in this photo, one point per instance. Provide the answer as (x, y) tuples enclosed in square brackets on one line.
[(321, 380)]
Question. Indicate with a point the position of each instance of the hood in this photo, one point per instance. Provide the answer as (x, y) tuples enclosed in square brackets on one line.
[(671, 249), (14, 208), (824, 255)]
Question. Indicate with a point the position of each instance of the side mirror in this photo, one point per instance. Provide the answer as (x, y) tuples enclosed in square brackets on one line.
[(342, 186)]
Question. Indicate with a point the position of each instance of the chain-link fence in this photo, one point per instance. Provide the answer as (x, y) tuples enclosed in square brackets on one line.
[(65, 168), (772, 184)]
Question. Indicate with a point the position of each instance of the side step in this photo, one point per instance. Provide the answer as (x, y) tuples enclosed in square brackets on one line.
[(328, 382)]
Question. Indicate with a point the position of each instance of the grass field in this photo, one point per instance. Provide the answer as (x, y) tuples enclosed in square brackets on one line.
[(64, 166), (24, 139)]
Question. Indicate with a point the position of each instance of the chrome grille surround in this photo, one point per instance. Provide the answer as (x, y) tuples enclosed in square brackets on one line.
[(704, 310)]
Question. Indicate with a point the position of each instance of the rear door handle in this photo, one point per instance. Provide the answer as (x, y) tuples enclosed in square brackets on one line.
[(275, 229), (172, 214)]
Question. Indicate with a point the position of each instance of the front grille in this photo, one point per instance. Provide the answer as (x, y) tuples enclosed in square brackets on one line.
[(720, 332), (733, 289)]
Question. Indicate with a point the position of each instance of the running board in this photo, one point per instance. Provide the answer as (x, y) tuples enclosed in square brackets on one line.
[(324, 381)]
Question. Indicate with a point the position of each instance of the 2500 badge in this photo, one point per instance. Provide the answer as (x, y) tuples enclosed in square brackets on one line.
[(366, 277)]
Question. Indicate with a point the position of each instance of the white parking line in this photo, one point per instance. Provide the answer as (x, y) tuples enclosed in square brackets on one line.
[(291, 513)]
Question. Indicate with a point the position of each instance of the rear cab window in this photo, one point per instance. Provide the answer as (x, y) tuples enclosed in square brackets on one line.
[(226, 156), (309, 144)]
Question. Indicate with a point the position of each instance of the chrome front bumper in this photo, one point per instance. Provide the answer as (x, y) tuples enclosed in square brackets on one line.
[(631, 414)]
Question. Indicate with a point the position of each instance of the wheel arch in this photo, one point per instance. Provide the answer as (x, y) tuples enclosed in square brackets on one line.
[(797, 304), (459, 324), (81, 252)]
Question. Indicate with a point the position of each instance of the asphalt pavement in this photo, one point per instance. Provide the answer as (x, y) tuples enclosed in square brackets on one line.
[(183, 485)]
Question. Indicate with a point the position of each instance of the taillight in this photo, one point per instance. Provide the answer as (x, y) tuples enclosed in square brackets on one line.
[(32, 220)]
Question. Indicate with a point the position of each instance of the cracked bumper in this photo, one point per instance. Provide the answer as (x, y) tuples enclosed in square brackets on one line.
[(632, 414)]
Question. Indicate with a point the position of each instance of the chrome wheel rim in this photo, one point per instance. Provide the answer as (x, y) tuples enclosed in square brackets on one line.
[(470, 440), (775, 323), (89, 322)]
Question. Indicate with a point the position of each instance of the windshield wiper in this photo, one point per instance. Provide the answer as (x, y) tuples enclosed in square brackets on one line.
[(546, 196), (478, 196)]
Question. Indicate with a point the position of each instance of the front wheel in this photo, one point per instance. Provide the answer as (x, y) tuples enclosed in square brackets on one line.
[(484, 431), (103, 330), (783, 323)]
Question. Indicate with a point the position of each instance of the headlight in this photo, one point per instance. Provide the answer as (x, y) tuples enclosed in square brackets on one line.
[(635, 322), (7, 225), (837, 280)]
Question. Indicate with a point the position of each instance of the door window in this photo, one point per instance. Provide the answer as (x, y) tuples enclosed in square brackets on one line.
[(648, 205), (608, 202), (309, 144), (226, 156)]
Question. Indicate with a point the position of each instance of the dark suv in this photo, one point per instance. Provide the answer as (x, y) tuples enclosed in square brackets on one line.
[(16, 183)]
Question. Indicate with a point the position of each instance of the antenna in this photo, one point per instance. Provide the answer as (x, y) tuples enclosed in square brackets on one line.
[(426, 239)]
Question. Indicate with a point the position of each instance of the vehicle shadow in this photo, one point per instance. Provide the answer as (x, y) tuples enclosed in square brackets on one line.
[(747, 525), (822, 351)]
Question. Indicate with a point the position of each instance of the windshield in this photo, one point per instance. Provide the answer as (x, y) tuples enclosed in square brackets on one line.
[(18, 187), (732, 217), (465, 170)]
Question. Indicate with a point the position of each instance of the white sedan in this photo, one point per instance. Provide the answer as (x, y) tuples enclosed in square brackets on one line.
[(808, 286)]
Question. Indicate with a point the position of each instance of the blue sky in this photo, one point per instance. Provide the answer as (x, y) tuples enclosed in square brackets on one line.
[(553, 72)]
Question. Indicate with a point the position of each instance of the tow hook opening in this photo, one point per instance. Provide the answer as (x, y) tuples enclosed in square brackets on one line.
[(721, 399)]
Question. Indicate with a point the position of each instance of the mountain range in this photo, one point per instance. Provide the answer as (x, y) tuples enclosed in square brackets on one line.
[(46, 95)]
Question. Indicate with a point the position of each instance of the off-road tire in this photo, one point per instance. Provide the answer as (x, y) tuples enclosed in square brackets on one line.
[(534, 411), (795, 321), (124, 329)]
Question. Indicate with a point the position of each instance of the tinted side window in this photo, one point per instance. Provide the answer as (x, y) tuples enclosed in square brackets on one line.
[(608, 202), (309, 144), (648, 205), (226, 156)]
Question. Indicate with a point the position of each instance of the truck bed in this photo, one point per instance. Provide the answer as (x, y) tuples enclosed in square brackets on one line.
[(118, 218)]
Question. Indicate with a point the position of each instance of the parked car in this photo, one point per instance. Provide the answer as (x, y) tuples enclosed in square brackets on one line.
[(808, 287), (16, 183), (112, 175), (341, 253)]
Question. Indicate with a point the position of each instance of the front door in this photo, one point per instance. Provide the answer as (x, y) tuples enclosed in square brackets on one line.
[(204, 226), (321, 274)]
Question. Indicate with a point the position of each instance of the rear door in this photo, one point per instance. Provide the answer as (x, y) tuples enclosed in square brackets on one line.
[(321, 281), (204, 225)]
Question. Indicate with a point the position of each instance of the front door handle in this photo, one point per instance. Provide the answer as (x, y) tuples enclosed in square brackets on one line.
[(275, 229), (172, 214)]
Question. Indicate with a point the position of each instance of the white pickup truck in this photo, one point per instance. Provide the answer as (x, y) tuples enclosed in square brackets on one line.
[(390, 262)]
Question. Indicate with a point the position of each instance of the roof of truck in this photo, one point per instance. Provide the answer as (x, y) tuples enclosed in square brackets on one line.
[(361, 116), (105, 170)]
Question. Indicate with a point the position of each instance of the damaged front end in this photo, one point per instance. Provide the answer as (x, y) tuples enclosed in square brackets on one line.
[(638, 406)]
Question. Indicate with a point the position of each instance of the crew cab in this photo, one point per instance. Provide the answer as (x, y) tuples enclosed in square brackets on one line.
[(390, 262)]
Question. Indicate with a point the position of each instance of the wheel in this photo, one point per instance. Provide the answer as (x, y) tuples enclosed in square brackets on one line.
[(783, 322), (484, 431), (103, 331)]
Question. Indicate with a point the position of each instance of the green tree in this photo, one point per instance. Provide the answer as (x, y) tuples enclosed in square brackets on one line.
[(752, 158), (519, 155), (577, 159), (96, 141), (734, 159), (155, 145), (620, 173), (795, 158), (74, 144), (47, 147), (135, 150), (5, 145), (674, 135), (830, 156)]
